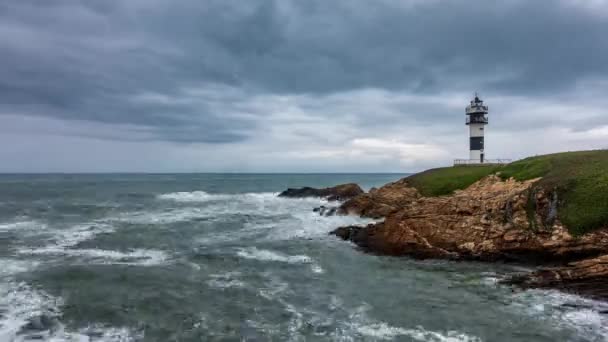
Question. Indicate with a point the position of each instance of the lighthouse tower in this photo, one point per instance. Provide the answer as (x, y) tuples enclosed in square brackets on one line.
[(476, 120)]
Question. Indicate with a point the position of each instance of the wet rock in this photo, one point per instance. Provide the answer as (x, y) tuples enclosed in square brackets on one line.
[(38, 324), (381, 202), (337, 193), (587, 277), (470, 224), (326, 211)]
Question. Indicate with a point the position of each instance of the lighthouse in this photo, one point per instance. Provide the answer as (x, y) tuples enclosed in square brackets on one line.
[(476, 120)]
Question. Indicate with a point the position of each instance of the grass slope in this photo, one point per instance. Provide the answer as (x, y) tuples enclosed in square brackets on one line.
[(443, 181), (580, 180)]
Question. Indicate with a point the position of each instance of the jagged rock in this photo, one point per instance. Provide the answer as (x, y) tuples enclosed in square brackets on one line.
[(39, 323), (486, 221), (587, 277), (337, 193), (326, 211), (381, 202)]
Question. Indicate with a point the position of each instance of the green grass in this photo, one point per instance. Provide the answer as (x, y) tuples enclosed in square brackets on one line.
[(443, 181), (580, 180)]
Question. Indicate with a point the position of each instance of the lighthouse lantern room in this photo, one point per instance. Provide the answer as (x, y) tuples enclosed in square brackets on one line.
[(476, 120)]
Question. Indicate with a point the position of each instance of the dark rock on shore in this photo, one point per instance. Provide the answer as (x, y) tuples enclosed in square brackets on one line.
[(587, 277), (491, 220), (337, 193), (381, 202), (326, 211)]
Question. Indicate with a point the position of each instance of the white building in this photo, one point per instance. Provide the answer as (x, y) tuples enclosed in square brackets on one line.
[(476, 120)]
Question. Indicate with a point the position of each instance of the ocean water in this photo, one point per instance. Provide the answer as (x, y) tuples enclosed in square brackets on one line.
[(218, 257)]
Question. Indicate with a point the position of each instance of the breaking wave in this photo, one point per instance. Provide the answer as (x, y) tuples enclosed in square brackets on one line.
[(64, 241), (267, 255), (27, 315)]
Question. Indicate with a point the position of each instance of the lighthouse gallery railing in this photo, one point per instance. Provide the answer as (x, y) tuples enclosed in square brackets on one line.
[(475, 162)]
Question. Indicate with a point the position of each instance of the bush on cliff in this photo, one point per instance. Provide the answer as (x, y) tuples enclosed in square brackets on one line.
[(580, 180)]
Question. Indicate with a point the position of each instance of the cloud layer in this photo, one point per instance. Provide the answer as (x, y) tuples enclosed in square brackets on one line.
[(227, 85)]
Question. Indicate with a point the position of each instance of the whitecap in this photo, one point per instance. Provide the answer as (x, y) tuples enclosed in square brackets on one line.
[(165, 217), (65, 240), (26, 225), (10, 267), (564, 310), (268, 255), (226, 280), (384, 331), (140, 257), (192, 196), (20, 304)]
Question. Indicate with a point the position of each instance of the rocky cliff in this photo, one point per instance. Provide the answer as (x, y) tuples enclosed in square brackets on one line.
[(492, 219)]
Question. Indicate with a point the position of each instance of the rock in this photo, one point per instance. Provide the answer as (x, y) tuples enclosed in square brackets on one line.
[(39, 323), (337, 193), (470, 224), (346, 233), (325, 211), (381, 202), (587, 277)]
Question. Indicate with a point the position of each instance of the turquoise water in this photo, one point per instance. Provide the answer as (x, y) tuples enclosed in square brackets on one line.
[(218, 257)]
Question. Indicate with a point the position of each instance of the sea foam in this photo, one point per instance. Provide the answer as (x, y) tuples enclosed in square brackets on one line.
[(64, 241)]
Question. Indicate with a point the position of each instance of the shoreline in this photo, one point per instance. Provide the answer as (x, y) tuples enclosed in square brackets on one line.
[(492, 219)]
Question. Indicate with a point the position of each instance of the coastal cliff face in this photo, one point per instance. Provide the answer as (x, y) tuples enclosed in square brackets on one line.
[(490, 220), (382, 202), (493, 219)]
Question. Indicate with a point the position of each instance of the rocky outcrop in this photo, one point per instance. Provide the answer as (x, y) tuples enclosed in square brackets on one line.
[(588, 277), (493, 219), (381, 202), (490, 220), (337, 193), (326, 211)]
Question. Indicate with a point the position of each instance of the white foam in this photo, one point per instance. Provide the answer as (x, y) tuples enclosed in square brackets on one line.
[(226, 280), (19, 303), (64, 240), (384, 331), (141, 257), (565, 311), (268, 255), (165, 217), (27, 225), (308, 224), (192, 196), (10, 267), (80, 233)]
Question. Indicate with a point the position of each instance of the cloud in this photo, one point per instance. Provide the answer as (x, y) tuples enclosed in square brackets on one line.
[(376, 86)]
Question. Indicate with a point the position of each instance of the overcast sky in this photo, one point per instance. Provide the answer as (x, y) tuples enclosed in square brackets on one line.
[(295, 85)]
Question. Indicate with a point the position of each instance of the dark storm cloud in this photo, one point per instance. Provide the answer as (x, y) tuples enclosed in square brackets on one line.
[(93, 60)]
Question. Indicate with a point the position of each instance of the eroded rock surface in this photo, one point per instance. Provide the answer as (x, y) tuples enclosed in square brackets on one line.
[(588, 277), (490, 220), (381, 202), (337, 193)]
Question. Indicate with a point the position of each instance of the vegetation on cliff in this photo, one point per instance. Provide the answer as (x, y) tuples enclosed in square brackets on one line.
[(444, 180), (578, 179)]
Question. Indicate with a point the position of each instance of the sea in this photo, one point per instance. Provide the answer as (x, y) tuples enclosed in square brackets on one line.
[(219, 257)]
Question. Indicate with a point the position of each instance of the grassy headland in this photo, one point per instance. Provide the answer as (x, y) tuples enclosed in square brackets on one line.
[(580, 180)]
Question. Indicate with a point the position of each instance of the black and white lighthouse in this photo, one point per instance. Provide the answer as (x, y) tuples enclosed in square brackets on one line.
[(476, 120)]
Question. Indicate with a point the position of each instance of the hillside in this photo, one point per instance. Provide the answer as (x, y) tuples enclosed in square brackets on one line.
[(578, 179)]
